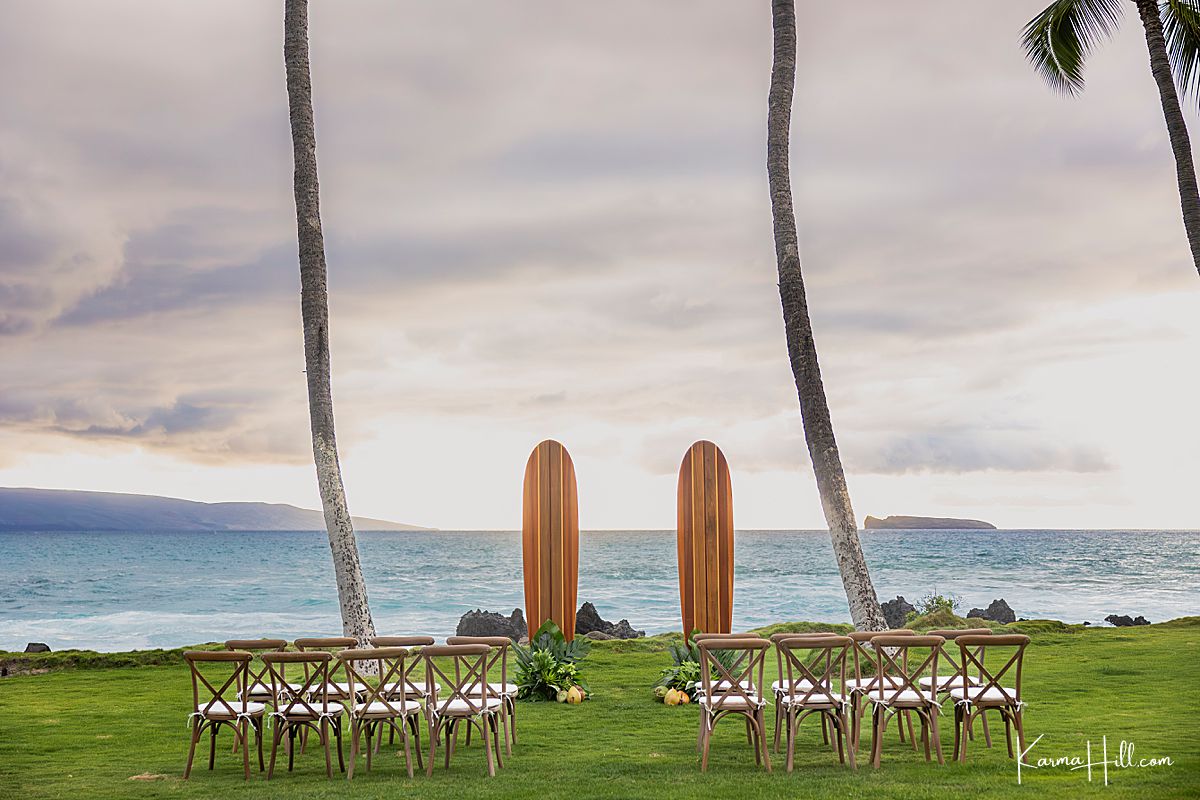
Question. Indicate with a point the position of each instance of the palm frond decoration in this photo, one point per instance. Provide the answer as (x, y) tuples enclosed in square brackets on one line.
[(1058, 40), (1181, 29)]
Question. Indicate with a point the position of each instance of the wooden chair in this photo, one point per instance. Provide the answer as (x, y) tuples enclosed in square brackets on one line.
[(815, 677), (738, 665), (862, 678), (258, 687), (507, 692), (971, 702), (951, 672), (382, 701), (780, 685), (304, 706), (467, 698), (414, 681), (225, 703), (903, 693)]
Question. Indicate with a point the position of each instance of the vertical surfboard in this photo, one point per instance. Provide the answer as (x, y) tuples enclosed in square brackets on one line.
[(550, 538), (705, 523)]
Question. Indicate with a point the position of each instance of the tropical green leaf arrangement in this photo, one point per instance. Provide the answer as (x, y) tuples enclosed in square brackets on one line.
[(684, 676), (549, 667)]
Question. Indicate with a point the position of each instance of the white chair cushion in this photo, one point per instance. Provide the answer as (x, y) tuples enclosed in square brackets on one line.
[(946, 682), (865, 684), (299, 711), (729, 702), (782, 685), (380, 709), (817, 700), (905, 698), (221, 710), (460, 706), (993, 695)]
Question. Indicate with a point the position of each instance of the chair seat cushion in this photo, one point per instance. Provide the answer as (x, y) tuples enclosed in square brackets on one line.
[(459, 707), (907, 698), (380, 709), (868, 683), (222, 710), (946, 682), (730, 702), (782, 685), (994, 695), (817, 700), (299, 711)]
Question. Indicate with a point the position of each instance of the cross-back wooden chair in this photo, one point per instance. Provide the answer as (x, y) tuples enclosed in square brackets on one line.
[(779, 685), (971, 702), (737, 664), (414, 674), (951, 672), (305, 704), (258, 684), (861, 678), (507, 692), (815, 673), (219, 697), (381, 701), (467, 697), (905, 658)]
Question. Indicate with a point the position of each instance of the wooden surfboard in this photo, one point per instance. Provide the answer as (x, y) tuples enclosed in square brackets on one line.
[(550, 538), (705, 523)]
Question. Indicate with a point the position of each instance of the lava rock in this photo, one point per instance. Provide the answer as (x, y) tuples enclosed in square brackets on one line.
[(1125, 621), (490, 623), (896, 612), (598, 636), (588, 620), (998, 611), (37, 647)]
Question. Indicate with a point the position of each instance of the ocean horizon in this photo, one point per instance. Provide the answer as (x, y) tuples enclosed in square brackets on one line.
[(113, 590)]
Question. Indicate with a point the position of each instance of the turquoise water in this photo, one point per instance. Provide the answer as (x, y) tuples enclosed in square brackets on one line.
[(118, 591)]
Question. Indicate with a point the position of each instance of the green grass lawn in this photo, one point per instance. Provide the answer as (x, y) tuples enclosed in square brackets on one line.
[(96, 731)]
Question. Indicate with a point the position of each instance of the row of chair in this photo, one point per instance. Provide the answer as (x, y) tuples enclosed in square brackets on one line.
[(256, 683), (896, 673)]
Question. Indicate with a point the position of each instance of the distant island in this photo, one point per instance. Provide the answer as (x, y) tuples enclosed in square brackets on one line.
[(66, 510), (925, 523)]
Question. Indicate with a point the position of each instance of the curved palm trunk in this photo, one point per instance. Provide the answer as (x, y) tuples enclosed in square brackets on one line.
[(1185, 171), (314, 307), (802, 351)]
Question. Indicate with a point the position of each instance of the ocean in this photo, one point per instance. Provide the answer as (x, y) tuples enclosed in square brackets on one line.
[(121, 591)]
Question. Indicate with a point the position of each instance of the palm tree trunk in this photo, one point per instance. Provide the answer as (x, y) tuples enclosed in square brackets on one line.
[(1185, 171), (802, 351), (314, 307)]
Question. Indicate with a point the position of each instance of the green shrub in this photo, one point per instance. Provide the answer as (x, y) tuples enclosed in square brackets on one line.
[(550, 664), (684, 676)]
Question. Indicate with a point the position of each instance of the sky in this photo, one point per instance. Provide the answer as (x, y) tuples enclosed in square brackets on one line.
[(551, 220)]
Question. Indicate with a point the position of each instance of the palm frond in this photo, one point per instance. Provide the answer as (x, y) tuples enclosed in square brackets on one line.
[(1181, 29), (1058, 40)]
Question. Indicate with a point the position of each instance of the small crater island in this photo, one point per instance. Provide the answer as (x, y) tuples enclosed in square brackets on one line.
[(925, 523)]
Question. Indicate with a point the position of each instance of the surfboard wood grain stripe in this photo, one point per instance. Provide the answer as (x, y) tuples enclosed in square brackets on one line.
[(550, 538), (705, 540)]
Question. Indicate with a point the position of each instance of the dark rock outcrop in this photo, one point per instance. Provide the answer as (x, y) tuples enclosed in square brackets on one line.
[(998, 611), (489, 623), (925, 523), (1125, 621), (37, 647), (896, 612), (589, 621)]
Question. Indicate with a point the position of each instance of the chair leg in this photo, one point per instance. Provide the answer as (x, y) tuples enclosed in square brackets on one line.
[(324, 733), (705, 737), (244, 736), (291, 747), (924, 720), (966, 736), (487, 745), (433, 743), (497, 724), (987, 735), (451, 739), (879, 725), (371, 728), (1007, 731), (355, 732), (824, 729), (760, 728), (791, 740), (1019, 722), (749, 733), (911, 737), (778, 722), (195, 737), (212, 748), (337, 733), (275, 737), (937, 735), (753, 742), (416, 732), (258, 737), (845, 724)]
